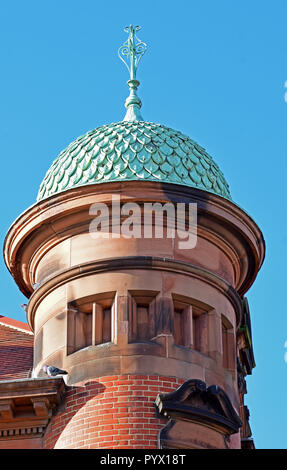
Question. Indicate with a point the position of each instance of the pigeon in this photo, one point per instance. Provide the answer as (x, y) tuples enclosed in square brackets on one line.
[(24, 306), (52, 371)]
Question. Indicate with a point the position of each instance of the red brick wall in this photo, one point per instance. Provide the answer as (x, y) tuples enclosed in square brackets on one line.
[(111, 413)]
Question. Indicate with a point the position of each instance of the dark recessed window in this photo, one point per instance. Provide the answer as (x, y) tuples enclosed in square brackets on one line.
[(141, 315), (90, 321)]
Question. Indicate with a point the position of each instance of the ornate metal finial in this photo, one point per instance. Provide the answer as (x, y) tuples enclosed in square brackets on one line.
[(133, 48)]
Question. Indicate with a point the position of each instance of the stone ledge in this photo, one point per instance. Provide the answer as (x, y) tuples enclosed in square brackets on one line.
[(26, 405)]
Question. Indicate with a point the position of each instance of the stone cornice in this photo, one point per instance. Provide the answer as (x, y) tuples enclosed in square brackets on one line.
[(26, 405), (51, 220)]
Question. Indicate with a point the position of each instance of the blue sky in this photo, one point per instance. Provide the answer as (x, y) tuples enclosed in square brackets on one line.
[(214, 70)]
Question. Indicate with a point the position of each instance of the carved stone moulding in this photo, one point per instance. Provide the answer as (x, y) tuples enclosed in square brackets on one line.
[(225, 232), (26, 406), (199, 417)]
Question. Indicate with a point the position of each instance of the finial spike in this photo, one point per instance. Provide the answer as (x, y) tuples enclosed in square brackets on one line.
[(133, 48)]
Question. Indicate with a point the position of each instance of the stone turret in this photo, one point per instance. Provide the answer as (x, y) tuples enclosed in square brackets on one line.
[(150, 333)]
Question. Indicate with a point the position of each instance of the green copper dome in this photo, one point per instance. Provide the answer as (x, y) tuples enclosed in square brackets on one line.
[(133, 149), (137, 150)]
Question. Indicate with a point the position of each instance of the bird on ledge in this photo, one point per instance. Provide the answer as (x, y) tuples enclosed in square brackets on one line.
[(52, 371)]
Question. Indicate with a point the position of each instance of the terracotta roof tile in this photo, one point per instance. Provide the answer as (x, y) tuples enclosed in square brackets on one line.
[(15, 323), (16, 349)]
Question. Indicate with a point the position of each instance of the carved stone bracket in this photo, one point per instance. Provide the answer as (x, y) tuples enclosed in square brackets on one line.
[(42, 407), (6, 409), (194, 403)]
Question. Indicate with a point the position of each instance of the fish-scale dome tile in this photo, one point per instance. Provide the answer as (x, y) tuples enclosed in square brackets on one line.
[(126, 151)]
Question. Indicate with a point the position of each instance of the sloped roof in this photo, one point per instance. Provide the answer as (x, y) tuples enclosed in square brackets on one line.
[(16, 349)]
